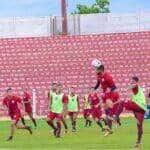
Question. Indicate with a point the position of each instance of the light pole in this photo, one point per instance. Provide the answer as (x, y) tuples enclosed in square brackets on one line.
[(64, 17)]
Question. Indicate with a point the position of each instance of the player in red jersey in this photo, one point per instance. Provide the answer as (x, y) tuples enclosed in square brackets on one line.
[(27, 106), (52, 91), (110, 95), (137, 105), (12, 102), (96, 110), (58, 108)]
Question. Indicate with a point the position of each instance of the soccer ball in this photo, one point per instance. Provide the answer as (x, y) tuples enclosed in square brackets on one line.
[(96, 63)]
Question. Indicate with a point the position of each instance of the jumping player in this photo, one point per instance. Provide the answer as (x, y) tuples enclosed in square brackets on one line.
[(73, 107), (87, 110), (96, 110), (110, 95), (12, 102), (50, 94), (27, 106), (58, 106), (137, 105)]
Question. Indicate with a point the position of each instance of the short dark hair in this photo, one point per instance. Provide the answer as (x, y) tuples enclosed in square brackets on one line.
[(9, 89), (53, 83), (135, 78), (72, 87), (101, 67)]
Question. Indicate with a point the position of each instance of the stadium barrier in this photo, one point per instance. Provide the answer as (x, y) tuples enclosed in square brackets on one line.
[(77, 24)]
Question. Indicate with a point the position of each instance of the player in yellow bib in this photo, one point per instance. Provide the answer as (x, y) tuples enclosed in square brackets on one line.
[(73, 107), (137, 105), (87, 109), (57, 106)]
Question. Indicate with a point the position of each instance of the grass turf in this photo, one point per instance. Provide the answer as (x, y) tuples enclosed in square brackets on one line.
[(91, 138)]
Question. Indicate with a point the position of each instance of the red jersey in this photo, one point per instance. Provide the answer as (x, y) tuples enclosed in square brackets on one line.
[(26, 98), (105, 80), (65, 99), (12, 105), (94, 100)]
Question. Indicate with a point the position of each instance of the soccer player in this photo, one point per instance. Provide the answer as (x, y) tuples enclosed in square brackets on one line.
[(27, 106), (137, 105), (12, 102), (110, 95), (73, 107), (87, 110), (58, 102), (96, 110), (50, 94)]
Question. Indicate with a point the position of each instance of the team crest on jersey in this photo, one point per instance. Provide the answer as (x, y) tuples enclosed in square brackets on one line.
[(56, 98)]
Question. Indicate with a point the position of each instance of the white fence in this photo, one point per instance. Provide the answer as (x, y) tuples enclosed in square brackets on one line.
[(77, 25)]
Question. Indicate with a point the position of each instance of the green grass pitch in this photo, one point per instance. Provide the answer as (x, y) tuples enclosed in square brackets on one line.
[(91, 138)]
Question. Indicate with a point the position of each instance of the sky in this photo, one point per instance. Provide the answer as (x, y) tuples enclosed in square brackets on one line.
[(27, 8)]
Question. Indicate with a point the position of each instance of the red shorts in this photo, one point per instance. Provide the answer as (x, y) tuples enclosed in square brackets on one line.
[(72, 113), (15, 117), (28, 108), (53, 116), (130, 105), (112, 111), (86, 112), (96, 113), (114, 96), (138, 112)]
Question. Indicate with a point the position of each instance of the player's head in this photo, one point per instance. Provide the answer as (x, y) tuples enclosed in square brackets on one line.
[(100, 69), (9, 92), (53, 86), (71, 90), (134, 80), (59, 87)]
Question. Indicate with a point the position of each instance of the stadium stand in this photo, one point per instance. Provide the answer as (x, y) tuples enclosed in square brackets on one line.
[(36, 62)]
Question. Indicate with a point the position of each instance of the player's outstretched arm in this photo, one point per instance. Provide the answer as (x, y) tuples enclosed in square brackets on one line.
[(97, 85)]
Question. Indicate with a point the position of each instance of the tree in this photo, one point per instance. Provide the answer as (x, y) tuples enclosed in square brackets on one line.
[(100, 6)]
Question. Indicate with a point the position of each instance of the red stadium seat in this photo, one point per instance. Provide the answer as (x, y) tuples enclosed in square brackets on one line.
[(36, 62)]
